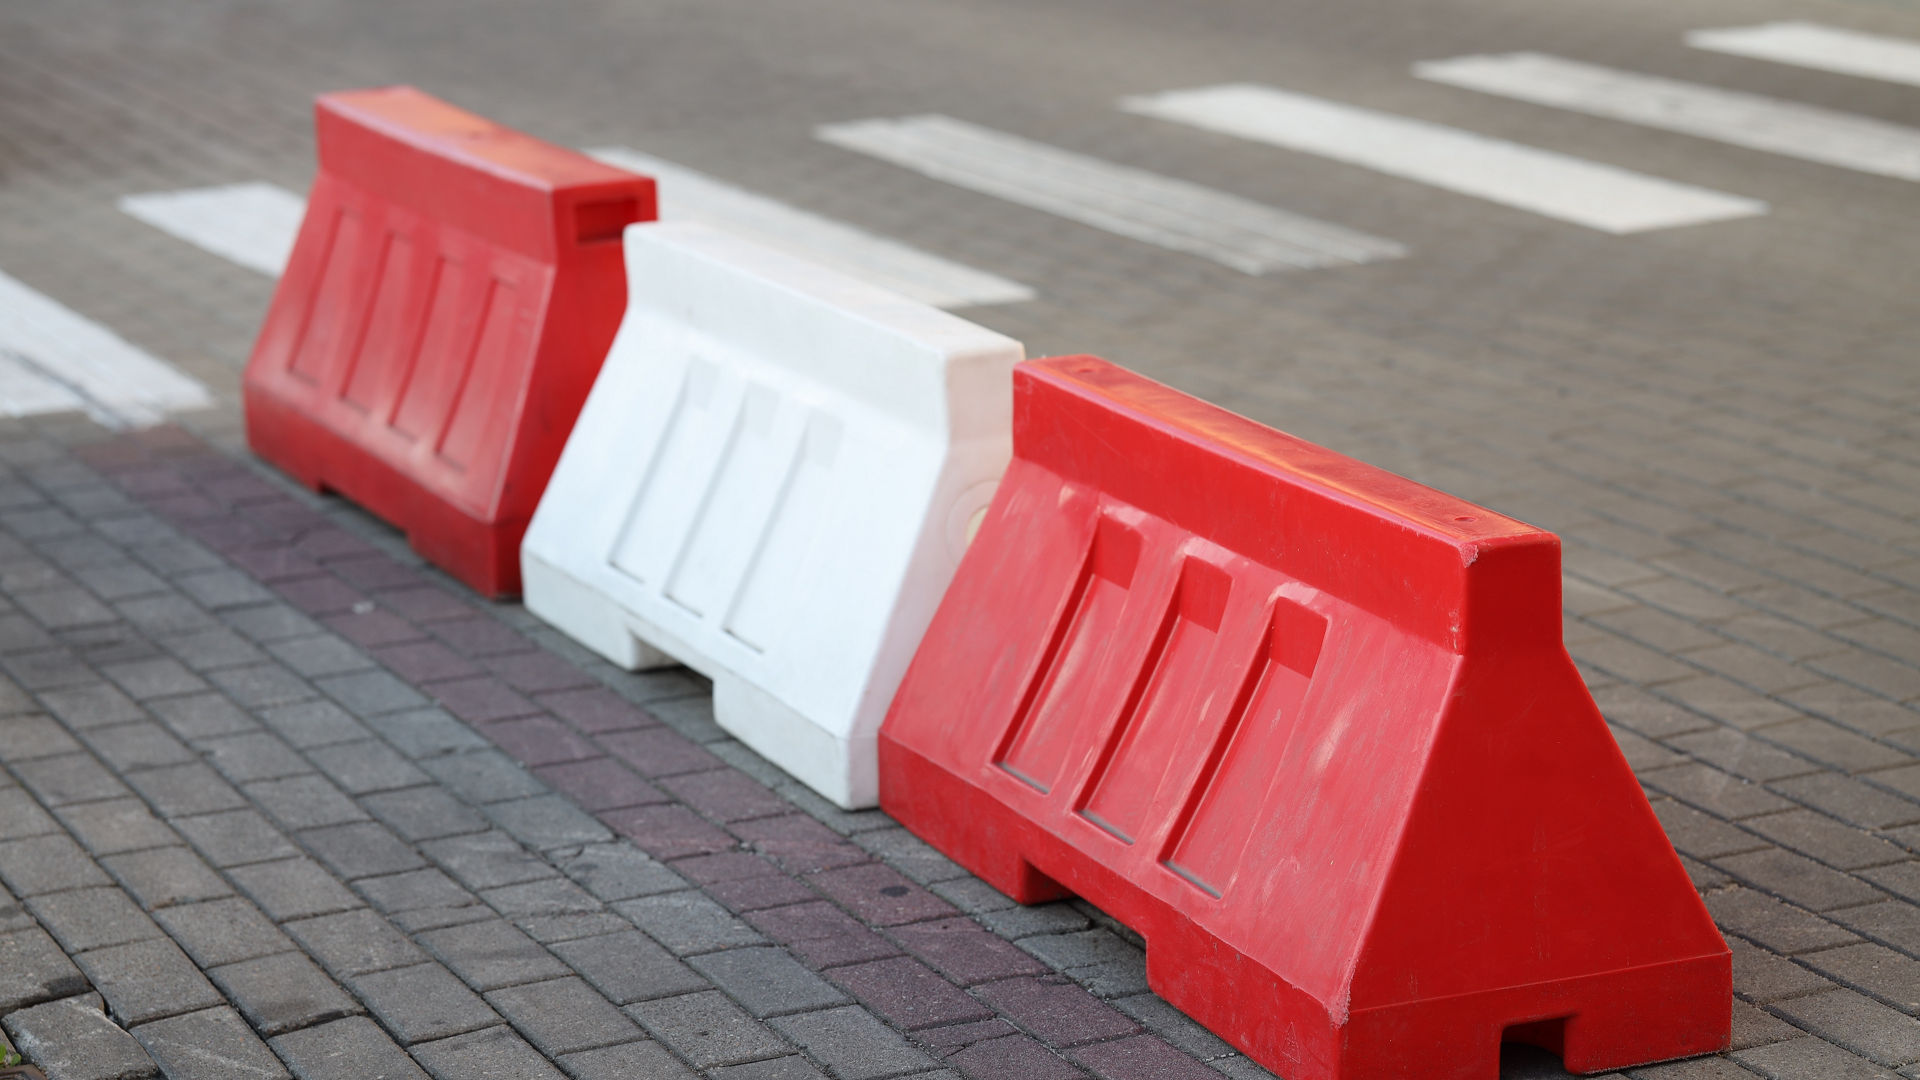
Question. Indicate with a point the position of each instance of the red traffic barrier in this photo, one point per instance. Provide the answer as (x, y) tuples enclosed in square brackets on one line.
[(453, 290), (1311, 730)]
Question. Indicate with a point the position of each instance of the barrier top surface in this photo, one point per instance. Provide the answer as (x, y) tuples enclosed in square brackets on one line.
[(697, 290), (488, 179), (1393, 546)]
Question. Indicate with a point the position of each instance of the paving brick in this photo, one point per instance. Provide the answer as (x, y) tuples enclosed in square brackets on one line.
[(73, 1038), (910, 855), (203, 716), (880, 895), (486, 860), (142, 744), (629, 967), (1759, 975), (547, 821), (147, 980), (852, 1044), (1014, 1055), (310, 724), (479, 636), (793, 1067), (83, 919), (1809, 1057), (269, 623), (282, 993), (424, 897), (42, 864), (540, 740), (318, 655), (553, 929), (235, 837), (182, 790), (424, 603), (162, 877), (821, 935), (726, 795), (144, 679), (908, 994), (257, 755), (493, 1054), (492, 954), (688, 922), (304, 802), (562, 1016), (634, 1059), (114, 826), (424, 662), (1152, 1012), (1754, 1027), (657, 752), (422, 1002), (1875, 970), (1891, 921), (355, 943), (424, 813), (211, 650), (292, 889), (222, 931), (547, 896), (1825, 839), (424, 733), (798, 842), (33, 969), (23, 738), (596, 710), (755, 893), (1718, 793), (1056, 1011), (353, 1048), (600, 784), (707, 1029), (668, 831), (366, 766), (964, 952), (370, 693), (1857, 1023), (363, 849), (69, 778), (483, 777), (480, 700), (21, 817), (768, 982), (1140, 1058), (1854, 801), (372, 629), (258, 686)]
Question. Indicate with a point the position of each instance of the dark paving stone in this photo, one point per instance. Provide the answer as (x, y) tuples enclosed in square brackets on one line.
[(355, 943), (147, 980), (562, 1016), (493, 1054), (707, 1029), (422, 1002), (350, 1049), (214, 1044), (492, 954), (223, 931), (83, 919), (629, 966), (73, 1038), (282, 993), (33, 969)]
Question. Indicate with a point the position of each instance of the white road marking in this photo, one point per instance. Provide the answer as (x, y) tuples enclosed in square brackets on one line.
[(52, 359), (250, 224), (255, 224), (1749, 120), (1556, 185), (1235, 232), (1825, 48), (930, 279)]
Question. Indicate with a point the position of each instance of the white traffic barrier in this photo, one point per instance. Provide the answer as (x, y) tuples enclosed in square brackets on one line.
[(772, 482)]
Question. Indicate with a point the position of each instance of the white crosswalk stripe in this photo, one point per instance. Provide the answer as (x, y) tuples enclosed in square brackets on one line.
[(1556, 185), (1748, 120), (1823, 48), (52, 359), (1239, 233), (930, 279), (254, 225), (250, 224)]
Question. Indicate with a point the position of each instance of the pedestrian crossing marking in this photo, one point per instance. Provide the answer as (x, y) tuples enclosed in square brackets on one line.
[(1823, 48)]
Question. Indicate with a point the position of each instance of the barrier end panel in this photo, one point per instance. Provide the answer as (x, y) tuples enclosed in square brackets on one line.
[(1436, 564)]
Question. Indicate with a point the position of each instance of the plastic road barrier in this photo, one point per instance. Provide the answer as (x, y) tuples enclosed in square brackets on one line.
[(452, 292), (772, 483), (1311, 730)]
